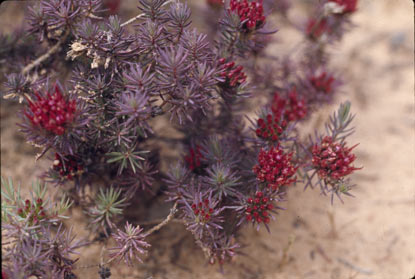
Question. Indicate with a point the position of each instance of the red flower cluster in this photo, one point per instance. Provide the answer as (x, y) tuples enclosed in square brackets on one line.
[(233, 76), (275, 167), (52, 112), (322, 82), (349, 5), (272, 128), (293, 109), (67, 169), (34, 211), (315, 29), (202, 211), (258, 207), (251, 13), (193, 159), (332, 160)]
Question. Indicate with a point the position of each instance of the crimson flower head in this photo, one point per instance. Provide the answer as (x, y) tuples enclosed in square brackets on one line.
[(258, 208), (202, 210), (349, 6), (292, 108), (232, 74), (251, 14), (271, 127), (51, 112), (202, 214), (333, 160), (275, 168), (34, 211), (323, 82), (68, 167), (194, 157)]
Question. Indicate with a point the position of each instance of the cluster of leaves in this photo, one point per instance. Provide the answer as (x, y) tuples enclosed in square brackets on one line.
[(100, 125), (35, 242)]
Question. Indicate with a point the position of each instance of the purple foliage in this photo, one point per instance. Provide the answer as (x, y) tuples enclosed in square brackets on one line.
[(102, 125)]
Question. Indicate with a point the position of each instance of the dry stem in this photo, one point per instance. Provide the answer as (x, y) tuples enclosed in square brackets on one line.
[(286, 250), (355, 268), (169, 217), (45, 56), (56, 47), (131, 20), (157, 221)]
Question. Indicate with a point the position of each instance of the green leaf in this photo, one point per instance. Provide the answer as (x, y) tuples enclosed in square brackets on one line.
[(126, 157), (64, 204), (343, 112), (108, 204)]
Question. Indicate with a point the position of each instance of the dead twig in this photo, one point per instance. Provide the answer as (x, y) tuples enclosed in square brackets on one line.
[(40, 155), (131, 20), (169, 217), (355, 268), (283, 261), (389, 249), (322, 253), (48, 54), (90, 15), (333, 233), (157, 221), (102, 255)]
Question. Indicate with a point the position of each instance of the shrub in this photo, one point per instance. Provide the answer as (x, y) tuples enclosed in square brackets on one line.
[(99, 124)]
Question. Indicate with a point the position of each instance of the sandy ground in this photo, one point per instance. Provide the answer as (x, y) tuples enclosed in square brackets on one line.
[(368, 237)]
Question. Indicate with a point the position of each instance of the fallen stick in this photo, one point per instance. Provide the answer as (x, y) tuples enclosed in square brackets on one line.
[(356, 268)]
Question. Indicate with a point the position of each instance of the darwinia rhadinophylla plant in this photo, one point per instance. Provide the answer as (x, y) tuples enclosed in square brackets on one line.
[(94, 87)]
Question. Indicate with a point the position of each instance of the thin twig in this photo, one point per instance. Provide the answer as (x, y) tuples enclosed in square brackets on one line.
[(286, 250), (102, 255), (131, 20), (102, 263), (9, 242), (56, 47), (90, 15), (356, 268), (169, 217), (163, 223), (85, 266), (333, 233), (322, 253), (157, 221), (45, 56), (205, 249), (40, 155), (389, 249)]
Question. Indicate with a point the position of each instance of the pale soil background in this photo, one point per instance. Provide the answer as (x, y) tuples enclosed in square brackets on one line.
[(371, 236)]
